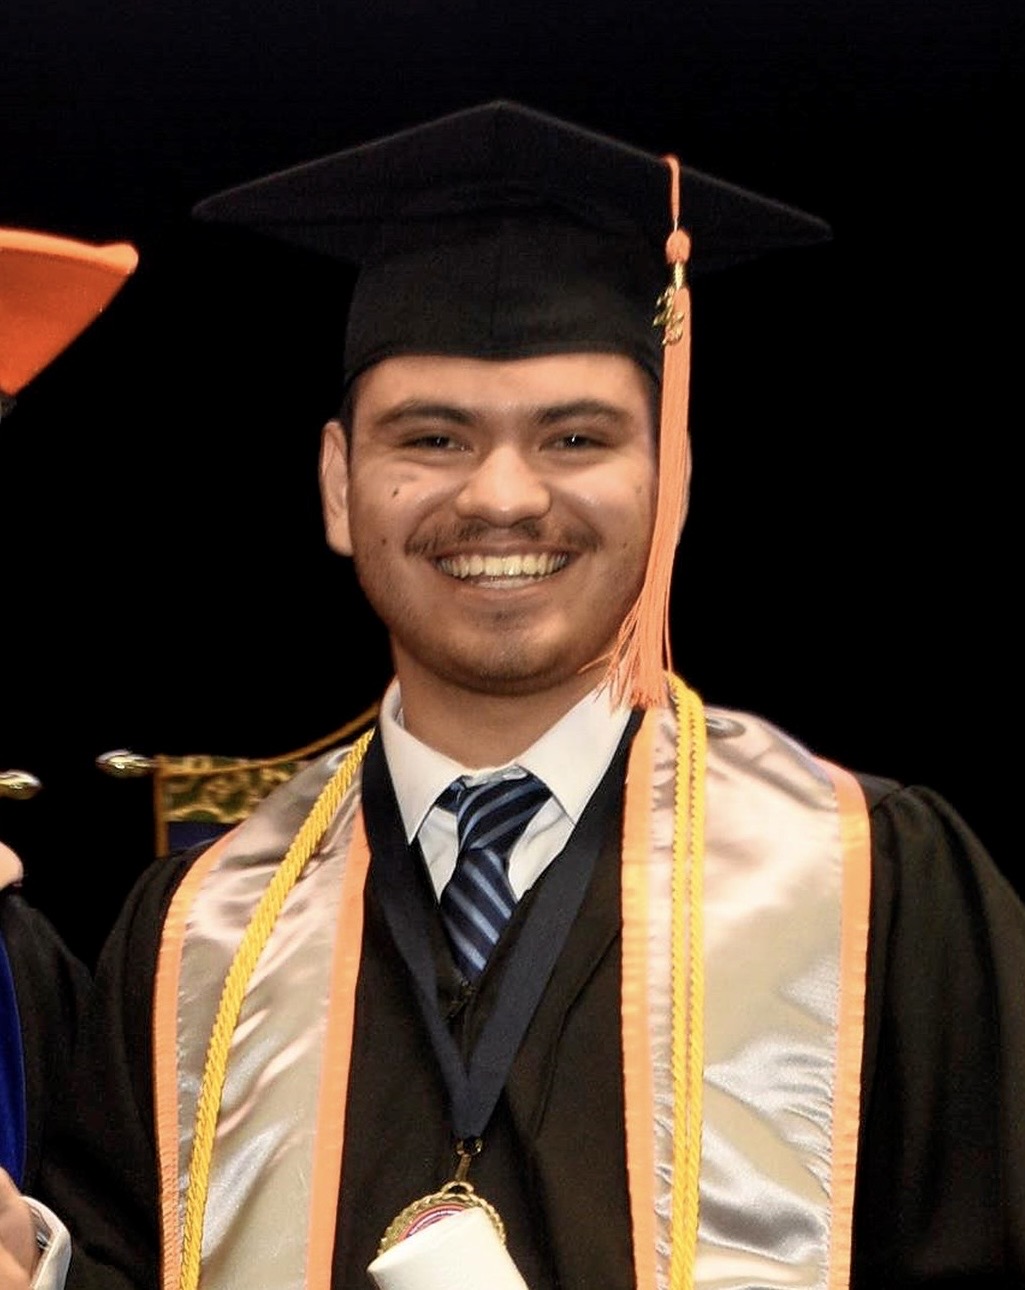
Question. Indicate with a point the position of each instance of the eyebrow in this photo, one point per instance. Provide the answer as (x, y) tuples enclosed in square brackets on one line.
[(579, 408), (424, 409), (454, 414)]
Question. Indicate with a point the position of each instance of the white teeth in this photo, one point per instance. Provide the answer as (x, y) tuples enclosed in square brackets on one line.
[(531, 565)]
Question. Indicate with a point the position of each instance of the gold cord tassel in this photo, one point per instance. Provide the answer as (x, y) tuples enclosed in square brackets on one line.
[(642, 655)]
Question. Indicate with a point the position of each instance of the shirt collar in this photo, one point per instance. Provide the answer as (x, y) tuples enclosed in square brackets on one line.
[(592, 729)]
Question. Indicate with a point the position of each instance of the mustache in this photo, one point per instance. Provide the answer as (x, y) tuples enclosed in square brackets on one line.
[(471, 533)]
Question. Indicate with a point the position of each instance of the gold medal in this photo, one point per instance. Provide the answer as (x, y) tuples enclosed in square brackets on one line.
[(453, 1197)]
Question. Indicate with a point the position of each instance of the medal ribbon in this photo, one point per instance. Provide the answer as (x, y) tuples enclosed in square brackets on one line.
[(474, 1088)]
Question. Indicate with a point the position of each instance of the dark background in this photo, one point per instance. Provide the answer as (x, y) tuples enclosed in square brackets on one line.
[(848, 568)]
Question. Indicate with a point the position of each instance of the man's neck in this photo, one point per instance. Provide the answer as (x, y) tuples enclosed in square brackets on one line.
[(484, 729)]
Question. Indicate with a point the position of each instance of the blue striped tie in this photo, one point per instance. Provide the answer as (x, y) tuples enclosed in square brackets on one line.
[(477, 901)]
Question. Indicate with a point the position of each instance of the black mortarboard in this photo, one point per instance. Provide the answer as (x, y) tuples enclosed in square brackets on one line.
[(501, 232)]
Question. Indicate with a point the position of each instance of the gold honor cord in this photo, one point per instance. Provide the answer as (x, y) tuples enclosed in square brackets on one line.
[(688, 981), (257, 933)]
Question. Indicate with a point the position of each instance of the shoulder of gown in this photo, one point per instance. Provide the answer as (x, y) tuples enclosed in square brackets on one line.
[(941, 1189)]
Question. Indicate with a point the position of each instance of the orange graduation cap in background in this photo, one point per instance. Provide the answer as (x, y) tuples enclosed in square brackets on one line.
[(51, 289)]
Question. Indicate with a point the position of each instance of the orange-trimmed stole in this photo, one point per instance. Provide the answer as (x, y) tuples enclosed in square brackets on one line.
[(785, 917), (784, 922)]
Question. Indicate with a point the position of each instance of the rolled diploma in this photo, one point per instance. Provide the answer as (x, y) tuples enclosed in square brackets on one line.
[(460, 1252)]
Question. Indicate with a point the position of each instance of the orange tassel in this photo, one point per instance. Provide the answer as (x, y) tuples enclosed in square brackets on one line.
[(642, 654)]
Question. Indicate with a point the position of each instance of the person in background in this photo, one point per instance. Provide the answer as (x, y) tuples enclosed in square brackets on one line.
[(43, 991), (51, 289), (558, 978)]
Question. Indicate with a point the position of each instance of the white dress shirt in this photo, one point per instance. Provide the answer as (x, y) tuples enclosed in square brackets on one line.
[(570, 758)]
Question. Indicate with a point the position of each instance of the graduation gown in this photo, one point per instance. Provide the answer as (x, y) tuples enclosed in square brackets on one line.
[(940, 1197)]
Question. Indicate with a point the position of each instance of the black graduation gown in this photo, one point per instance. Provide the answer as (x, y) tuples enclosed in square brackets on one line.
[(941, 1187), (50, 986)]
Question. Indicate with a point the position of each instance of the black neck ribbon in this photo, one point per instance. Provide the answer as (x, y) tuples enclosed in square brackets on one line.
[(474, 1089)]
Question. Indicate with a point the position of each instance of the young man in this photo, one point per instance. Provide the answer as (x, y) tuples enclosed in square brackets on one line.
[(557, 979), (51, 289)]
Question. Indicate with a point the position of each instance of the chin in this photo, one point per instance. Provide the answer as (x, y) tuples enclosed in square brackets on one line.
[(521, 672)]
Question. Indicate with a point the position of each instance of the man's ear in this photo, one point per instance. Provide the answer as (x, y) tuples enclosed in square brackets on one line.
[(334, 487)]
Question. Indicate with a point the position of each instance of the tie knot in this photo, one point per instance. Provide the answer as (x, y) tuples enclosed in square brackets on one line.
[(493, 815)]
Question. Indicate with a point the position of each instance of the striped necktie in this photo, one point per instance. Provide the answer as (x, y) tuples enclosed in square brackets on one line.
[(477, 901)]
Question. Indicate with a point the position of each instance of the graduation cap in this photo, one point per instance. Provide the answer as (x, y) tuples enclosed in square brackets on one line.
[(501, 232), (51, 289)]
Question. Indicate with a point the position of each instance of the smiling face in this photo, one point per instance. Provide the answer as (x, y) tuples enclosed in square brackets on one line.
[(499, 515)]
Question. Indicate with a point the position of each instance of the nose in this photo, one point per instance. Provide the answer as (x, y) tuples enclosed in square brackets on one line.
[(503, 488)]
